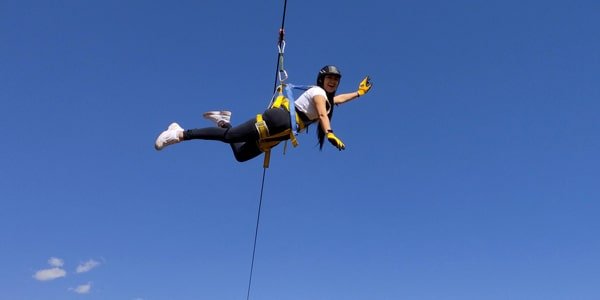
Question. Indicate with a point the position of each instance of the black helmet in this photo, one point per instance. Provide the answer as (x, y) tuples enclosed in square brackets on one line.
[(327, 70)]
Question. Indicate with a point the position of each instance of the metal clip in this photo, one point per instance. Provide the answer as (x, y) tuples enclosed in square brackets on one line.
[(281, 46), (283, 76)]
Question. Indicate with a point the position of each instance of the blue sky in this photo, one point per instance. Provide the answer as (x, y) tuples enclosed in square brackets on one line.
[(471, 169)]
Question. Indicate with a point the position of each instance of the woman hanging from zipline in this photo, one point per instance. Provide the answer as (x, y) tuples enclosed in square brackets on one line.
[(315, 105)]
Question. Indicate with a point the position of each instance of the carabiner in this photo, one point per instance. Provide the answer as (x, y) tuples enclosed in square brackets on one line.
[(283, 76), (281, 46)]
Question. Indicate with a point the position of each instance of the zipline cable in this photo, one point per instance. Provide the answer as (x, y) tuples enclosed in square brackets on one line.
[(281, 45), (256, 233)]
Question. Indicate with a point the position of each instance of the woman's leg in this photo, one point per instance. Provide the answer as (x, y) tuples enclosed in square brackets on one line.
[(244, 132), (242, 138), (245, 151)]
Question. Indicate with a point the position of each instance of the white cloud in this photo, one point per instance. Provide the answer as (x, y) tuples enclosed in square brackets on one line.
[(49, 274), (87, 266), (52, 273), (56, 262), (83, 289)]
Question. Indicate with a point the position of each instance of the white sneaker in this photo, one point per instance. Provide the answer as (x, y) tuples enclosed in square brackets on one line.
[(168, 137), (221, 118)]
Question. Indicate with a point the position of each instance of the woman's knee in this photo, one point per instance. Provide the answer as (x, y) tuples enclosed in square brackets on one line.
[(240, 157), (245, 151)]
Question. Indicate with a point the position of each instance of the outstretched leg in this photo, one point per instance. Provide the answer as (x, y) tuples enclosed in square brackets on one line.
[(242, 138), (245, 132)]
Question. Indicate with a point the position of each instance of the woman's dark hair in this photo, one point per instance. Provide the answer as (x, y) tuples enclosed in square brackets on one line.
[(326, 70), (330, 106)]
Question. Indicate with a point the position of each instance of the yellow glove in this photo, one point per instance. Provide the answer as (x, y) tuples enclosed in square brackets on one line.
[(364, 86), (335, 141)]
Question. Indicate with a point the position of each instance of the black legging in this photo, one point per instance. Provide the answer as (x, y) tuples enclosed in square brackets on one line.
[(244, 137)]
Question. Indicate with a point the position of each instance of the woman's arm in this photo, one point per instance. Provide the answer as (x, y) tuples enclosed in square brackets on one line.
[(363, 87), (343, 98), (321, 105), (326, 124)]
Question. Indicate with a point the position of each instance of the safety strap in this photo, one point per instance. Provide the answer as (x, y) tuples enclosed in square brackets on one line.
[(266, 140), (292, 110), (261, 126), (284, 101), (263, 132), (289, 94)]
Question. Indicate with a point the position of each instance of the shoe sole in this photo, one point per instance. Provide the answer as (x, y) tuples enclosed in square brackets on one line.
[(217, 112)]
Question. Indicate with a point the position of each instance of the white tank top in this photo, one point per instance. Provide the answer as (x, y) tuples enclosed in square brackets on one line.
[(306, 103)]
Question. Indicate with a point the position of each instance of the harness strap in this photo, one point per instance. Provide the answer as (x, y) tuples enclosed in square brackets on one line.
[(282, 101), (265, 138), (261, 126), (267, 141), (292, 110), (263, 133)]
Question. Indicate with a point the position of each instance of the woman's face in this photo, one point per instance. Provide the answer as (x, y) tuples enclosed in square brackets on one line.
[(331, 82)]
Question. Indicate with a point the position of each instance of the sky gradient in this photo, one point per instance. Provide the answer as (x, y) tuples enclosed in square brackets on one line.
[(471, 169)]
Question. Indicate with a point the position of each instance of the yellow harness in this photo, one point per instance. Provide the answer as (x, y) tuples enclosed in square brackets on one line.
[(266, 140)]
